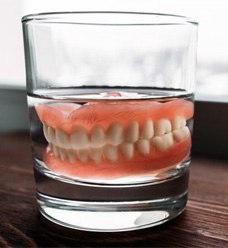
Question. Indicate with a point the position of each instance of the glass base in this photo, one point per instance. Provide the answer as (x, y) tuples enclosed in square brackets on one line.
[(110, 216), (112, 208)]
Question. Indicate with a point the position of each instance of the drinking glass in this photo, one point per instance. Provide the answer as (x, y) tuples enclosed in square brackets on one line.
[(111, 104)]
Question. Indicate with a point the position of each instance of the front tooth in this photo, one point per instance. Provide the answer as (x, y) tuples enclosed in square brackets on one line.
[(45, 131), (147, 130), (178, 122), (162, 127), (83, 155), (79, 139), (62, 139), (162, 143), (181, 134), (97, 137), (71, 156), (96, 155), (111, 152), (143, 146), (132, 133), (115, 134), (127, 149)]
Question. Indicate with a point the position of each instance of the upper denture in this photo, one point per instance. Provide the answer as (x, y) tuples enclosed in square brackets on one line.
[(105, 114)]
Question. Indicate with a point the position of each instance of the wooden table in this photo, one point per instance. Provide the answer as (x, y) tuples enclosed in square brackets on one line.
[(204, 223)]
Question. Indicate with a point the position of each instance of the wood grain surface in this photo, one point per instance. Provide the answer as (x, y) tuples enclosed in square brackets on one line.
[(204, 223)]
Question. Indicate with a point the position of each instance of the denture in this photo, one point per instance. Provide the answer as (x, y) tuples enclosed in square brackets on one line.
[(115, 139)]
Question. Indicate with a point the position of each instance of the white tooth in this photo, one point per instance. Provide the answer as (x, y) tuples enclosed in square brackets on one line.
[(46, 135), (97, 137), (71, 156), (115, 134), (111, 153), (181, 134), (51, 135), (162, 126), (96, 155), (83, 155), (178, 122), (163, 142), (147, 130), (79, 139), (143, 146), (62, 154), (132, 132), (62, 139), (127, 149), (55, 150), (51, 146)]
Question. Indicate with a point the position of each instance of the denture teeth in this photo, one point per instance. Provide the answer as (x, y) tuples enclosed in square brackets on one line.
[(143, 146), (147, 130), (115, 134), (51, 135), (181, 133), (178, 122), (83, 155), (79, 139), (97, 137), (45, 131), (51, 146), (127, 149), (62, 154), (55, 150), (96, 155), (111, 153), (163, 142), (71, 156), (162, 127), (77, 146), (132, 132), (62, 139)]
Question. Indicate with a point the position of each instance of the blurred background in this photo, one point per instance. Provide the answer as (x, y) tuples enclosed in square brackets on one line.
[(212, 70)]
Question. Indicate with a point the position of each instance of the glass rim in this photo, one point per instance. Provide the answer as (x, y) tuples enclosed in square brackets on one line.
[(68, 17)]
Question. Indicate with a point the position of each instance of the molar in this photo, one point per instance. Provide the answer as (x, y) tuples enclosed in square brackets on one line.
[(79, 139), (127, 149), (181, 134), (143, 146), (147, 130), (111, 152), (178, 122), (162, 127), (97, 137), (115, 134), (132, 132), (163, 142)]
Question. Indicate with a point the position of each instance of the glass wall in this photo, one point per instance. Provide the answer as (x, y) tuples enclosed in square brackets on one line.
[(212, 72)]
